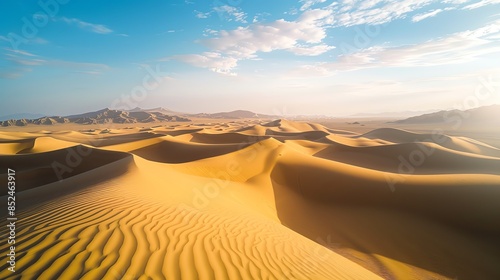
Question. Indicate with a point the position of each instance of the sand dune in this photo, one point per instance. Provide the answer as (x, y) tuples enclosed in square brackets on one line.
[(169, 150), (252, 200), (430, 159)]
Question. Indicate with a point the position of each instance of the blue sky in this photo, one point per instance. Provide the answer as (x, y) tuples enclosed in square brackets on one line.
[(327, 57)]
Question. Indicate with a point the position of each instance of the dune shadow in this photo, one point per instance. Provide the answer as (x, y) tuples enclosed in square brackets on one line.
[(415, 225), (180, 152), (34, 170)]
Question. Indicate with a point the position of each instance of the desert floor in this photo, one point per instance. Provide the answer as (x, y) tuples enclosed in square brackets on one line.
[(253, 199)]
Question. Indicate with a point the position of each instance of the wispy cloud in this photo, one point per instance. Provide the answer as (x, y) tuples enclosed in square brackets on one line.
[(419, 17), (82, 67), (352, 12), (210, 60), (455, 2), (310, 50), (226, 12), (306, 4), (199, 14), (456, 48), (35, 40), (22, 62), (481, 4), (373, 12), (231, 13), (92, 27), (260, 16)]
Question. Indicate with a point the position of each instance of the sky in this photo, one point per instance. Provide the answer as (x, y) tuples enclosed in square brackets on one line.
[(307, 57)]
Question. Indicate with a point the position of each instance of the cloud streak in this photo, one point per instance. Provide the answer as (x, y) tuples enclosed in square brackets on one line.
[(22, 62), (226, 12), (481, 4), (231, 13), (92, 27), (420, 17)]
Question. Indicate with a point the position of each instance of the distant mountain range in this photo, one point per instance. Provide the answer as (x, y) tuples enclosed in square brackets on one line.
[(21, 116), (238, 114), (401, 114), (136, 115), (165, 111), (99, 117), (483, 115)]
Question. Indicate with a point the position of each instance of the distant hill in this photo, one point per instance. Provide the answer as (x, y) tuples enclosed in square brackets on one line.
[(158, 110), (238, 114), (402, 114), (21, 116), (481, 115), (98, 117)]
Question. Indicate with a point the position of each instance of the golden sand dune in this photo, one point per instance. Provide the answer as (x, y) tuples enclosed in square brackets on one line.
[(429, 158), (248, 200), (14, 146), (226, 138), (455, 143)]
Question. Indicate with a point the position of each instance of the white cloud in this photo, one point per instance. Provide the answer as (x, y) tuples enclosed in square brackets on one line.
[(311, 50), (210, 60), (353, 12), (301, 37), (357, 12), (305, 35), (292, 11), (419, 17), (306, 4), (456, 48), (199, 14), (231, 13), (210, 32), (278, 35), (225, 12), (260, 16), (95, 28), (481, 4), (455, 2)]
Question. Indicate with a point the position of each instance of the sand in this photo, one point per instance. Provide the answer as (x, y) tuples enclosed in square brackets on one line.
[(251, 199)]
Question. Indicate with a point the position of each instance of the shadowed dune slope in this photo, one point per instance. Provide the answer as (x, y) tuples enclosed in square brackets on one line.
[(33, 170), (170, 150), (412, 158), (455, 143)]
